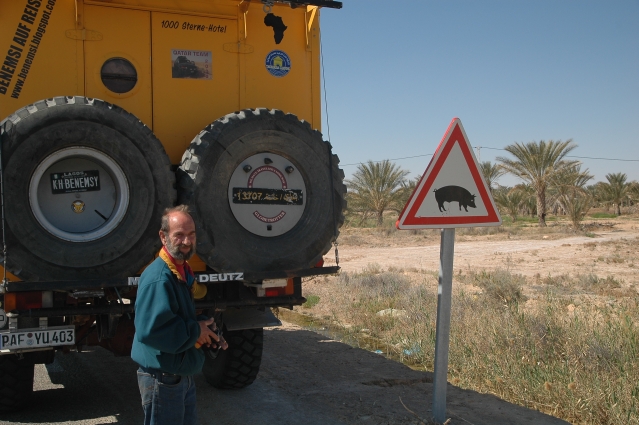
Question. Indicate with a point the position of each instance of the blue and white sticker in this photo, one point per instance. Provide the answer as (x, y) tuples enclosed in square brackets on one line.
[(278, 64)]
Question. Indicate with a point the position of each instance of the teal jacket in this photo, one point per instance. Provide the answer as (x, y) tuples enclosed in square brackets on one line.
[(166, 327)]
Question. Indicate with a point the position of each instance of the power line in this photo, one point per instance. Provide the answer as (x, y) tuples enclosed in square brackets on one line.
[(604, 159), (390, 159), (495, 149), (573, 156)]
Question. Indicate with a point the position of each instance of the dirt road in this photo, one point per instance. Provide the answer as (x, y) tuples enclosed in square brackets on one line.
[(305, 379), (542, 257)]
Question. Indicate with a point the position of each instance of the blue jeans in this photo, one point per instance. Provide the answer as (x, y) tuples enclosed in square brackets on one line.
[(167, 399)]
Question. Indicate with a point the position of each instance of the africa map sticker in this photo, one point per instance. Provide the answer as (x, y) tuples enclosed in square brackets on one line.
[(452, 192), (278, 64)]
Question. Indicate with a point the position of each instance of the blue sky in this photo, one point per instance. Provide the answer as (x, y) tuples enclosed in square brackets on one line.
[(397, 72)]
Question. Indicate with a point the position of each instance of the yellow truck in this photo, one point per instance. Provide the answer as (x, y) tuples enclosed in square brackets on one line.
[(113, 110)]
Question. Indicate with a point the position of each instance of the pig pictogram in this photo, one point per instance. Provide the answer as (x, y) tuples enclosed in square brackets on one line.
[(454, 194)]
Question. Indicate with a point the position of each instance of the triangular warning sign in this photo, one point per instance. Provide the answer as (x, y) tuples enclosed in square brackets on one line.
[(452, 192)]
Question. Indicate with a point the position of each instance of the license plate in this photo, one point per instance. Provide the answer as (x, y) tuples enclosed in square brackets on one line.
[(75, 181), (242, 195), (33, 338)]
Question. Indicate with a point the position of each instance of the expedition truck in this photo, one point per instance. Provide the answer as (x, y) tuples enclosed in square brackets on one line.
[(113, 110)]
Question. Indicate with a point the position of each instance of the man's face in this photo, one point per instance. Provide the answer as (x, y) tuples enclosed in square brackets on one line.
[(180, 239)]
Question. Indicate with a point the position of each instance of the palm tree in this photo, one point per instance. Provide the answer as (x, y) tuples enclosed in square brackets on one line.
[(634, 192), (355, 211), (567, 181), (568, 189), (535, 163), (510, 200), (597, 192), (491, 172), (577, 206), (408, 187), (617, 189), (377, 187), (528, 198)]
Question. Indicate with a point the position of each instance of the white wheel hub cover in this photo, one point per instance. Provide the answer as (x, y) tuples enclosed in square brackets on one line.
[(79, 194), (267, 194)]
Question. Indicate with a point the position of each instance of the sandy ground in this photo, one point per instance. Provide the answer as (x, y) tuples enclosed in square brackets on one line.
[(608, 251)]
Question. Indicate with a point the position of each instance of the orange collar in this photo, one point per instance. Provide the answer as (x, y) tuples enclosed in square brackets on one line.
[(170, 262), (198, 290)]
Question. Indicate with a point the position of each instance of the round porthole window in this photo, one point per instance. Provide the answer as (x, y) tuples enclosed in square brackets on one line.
[(119, 75)]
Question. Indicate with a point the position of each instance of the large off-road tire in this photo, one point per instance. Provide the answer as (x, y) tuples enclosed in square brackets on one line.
[(237, 366), (85, 185), (265, 190), (16, 382)]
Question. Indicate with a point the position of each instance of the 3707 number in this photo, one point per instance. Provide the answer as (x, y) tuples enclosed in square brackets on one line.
[(170, 24)]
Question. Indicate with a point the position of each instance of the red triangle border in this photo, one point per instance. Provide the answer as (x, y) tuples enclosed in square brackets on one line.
[(454, 134)]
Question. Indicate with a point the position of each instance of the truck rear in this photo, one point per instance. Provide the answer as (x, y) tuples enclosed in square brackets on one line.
[(113, 110)]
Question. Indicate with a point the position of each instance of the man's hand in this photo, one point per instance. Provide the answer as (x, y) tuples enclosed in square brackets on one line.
[(208, 337)]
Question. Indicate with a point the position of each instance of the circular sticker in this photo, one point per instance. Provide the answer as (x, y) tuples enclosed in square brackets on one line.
[(278, 64), (78, 206)]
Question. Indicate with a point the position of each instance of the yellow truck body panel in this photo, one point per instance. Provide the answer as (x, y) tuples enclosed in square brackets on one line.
[(59, 48)]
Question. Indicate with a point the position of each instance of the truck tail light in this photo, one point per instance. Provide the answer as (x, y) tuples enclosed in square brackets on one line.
[(289, 290), (283, 288), (27, 300), (273, 292)]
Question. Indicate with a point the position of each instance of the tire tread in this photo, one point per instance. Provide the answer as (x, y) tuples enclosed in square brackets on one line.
[(192, 165), (239, 365), (31, 118)]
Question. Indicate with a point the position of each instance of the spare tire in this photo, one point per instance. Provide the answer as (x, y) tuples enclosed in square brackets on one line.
[(265, 191), (85, 186)]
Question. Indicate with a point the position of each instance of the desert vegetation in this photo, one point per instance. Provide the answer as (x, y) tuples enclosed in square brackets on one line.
[(563, 340), (565, 343), (570, 350)]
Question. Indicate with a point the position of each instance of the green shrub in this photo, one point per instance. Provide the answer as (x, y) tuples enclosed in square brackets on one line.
[(602, 215), (311, 301), (500, 285)]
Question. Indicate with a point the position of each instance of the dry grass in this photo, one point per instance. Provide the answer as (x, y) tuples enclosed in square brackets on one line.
[(563, 340), (570, 351)]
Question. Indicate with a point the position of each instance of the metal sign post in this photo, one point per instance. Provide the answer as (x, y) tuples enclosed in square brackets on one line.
[(444, 297), (451, 184)]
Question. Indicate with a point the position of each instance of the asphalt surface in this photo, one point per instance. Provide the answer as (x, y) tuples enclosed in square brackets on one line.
[(305, 378)]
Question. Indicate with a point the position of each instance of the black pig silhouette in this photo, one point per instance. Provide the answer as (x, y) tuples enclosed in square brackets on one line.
[(454, 194)]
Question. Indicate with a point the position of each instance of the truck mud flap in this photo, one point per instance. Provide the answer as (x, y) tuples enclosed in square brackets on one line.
[(238, 319)]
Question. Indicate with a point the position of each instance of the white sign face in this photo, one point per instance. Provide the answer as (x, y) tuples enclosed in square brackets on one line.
[(452, 192), (454, 202)]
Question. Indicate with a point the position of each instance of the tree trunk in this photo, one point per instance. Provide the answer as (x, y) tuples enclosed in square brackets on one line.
[(541, 206), (380, 218), (618, 208)]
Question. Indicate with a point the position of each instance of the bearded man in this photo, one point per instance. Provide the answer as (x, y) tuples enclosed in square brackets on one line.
[(168, 335)]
